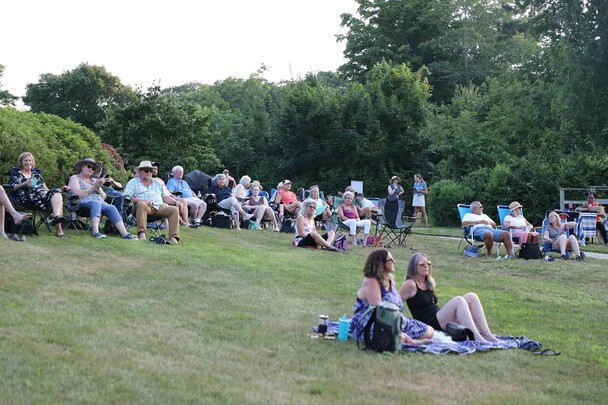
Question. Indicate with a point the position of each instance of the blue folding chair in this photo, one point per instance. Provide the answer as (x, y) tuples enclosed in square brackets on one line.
[(468, 231)]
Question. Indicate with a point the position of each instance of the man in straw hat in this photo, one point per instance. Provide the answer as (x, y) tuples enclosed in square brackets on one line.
[(484, 230), (151, 198)]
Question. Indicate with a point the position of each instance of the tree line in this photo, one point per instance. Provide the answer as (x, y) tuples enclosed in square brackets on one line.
[(487, 99)]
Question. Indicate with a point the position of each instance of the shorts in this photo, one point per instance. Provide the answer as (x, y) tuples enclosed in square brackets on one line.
[(480, 231)]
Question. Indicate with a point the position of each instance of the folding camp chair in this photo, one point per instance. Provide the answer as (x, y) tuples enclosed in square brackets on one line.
[(564, 216), (467, 231), (391, 227), (39, 216)]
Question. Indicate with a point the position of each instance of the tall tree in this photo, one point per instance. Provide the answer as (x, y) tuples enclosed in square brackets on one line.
[(81, 94), (6, 98), (159, 127), (461, 41)]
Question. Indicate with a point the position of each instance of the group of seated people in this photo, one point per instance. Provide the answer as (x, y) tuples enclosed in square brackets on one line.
[(556, 236), (418, 291)]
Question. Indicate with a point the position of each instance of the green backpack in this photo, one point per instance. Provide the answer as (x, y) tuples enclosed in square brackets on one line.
[(386, 318)]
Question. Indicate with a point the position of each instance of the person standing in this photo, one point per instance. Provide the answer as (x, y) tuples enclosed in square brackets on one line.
[(394, 189), (420, 192)]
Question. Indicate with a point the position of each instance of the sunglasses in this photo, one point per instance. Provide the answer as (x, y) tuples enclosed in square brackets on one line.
[(91, 167), (148, 170), (389, 260)]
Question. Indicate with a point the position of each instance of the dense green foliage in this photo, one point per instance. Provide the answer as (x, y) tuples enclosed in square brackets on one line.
[(81, 94), (55, 143)]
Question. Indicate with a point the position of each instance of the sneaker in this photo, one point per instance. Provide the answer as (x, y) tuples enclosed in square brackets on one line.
[(581, 258), (129, 237), (564, 257), (248, 216), (506, 257), (99, 235)]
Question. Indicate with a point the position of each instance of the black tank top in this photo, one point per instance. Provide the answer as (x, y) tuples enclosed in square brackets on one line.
[(423, 307)]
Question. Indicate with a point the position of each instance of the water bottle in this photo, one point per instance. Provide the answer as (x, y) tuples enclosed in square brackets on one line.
[(343, 326)]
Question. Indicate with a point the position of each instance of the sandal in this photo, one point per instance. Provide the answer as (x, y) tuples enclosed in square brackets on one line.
[(546, 352), (25, 217)]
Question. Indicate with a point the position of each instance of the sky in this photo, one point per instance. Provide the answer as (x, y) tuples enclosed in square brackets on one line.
[(170, 43)]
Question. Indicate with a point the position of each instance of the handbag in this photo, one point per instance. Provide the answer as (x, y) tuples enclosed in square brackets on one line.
[(459, 333), (374, 241), (530, 251), (471, 251)]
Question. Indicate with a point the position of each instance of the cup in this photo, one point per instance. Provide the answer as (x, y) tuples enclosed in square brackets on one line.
[(34, 181)]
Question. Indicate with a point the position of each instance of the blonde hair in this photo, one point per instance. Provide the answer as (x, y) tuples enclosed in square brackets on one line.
[(22, 157)]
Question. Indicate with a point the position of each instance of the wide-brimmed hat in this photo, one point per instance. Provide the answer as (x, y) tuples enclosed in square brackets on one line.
[(395, 177), (514, 205), (145, 164), (88, 161)]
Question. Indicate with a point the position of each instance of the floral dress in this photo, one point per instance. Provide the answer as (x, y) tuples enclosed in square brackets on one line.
[(411, 327), (36, 196)]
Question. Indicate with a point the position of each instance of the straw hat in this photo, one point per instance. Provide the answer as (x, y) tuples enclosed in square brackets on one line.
[(145, 164), (514, 205), (395, 177)]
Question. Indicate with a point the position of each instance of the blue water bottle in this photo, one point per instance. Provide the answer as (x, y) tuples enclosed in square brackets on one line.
[(343, 326)]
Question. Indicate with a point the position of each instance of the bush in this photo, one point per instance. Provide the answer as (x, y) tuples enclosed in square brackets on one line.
[(443, 198)]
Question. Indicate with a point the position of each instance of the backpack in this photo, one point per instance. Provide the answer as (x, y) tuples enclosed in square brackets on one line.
[(386, 318), (287, 225), (530, 251), (341, 243)]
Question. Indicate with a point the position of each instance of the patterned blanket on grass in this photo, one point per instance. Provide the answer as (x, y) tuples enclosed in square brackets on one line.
[(443, 344)]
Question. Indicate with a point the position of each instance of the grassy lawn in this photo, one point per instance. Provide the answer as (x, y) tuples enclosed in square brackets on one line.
[(223, 317)]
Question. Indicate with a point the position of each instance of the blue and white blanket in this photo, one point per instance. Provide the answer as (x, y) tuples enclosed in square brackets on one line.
[(443, 344)]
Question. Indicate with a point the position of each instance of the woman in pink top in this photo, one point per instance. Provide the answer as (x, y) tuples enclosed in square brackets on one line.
[(349, 217)]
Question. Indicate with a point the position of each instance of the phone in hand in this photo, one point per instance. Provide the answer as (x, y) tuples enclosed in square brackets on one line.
[(106, 176)]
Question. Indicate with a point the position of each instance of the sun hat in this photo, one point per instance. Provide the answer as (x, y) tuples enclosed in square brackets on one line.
[(514, 205), (145, 164), (88, 161), (395, 177), (285, 182)]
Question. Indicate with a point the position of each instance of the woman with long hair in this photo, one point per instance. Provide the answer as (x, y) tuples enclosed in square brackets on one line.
[(379, 285), (306, 230), (418, 291)]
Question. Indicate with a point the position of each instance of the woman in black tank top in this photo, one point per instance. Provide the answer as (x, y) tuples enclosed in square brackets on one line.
[(418, 292)]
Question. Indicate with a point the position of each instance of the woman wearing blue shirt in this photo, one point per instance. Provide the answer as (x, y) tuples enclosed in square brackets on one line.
[(420, 191)]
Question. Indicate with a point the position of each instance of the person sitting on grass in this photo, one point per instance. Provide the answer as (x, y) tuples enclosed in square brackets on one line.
[(555, 234), (92, 197), (484, 230), (187, 197), (5, 205), (418, 291), (379, 285), (306, 231)]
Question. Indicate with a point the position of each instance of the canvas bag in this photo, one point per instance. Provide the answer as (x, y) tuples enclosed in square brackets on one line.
[(471, 251), (386, 318), (221, 220), (374, 241), (341, 243), (530, 251), (287, 225)]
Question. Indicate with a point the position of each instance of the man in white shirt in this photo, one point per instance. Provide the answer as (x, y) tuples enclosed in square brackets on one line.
[(150, 197), (484, 230)]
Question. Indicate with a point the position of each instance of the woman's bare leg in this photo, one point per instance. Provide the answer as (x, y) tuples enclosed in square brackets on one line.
[(479, 316), (457, 310)]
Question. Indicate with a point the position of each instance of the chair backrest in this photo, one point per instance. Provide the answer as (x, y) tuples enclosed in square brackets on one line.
[(503, 211), (392, 212), (464, 209)]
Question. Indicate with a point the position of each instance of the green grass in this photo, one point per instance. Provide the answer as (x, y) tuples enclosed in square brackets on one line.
[(223, 317)]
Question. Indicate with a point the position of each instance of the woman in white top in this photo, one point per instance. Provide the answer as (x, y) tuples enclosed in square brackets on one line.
[(240, 191), (520, 226), (306, 231)]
